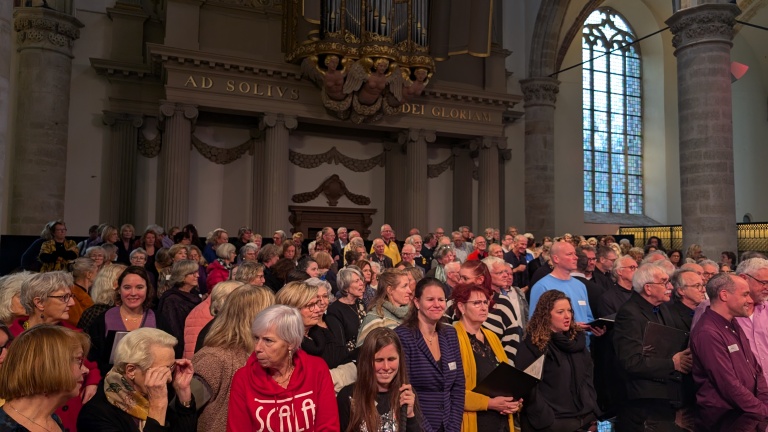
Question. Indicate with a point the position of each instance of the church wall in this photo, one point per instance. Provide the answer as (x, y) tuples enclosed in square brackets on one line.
[(232, 32), (87, 133), (440, 198), (146, 181), (514, 176)]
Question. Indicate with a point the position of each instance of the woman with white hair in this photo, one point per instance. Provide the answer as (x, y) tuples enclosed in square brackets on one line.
[(134, 395), (83, 272), (346, 314), (203, 313), (176, 304), (10, 294), (221, 268), (280, 377)]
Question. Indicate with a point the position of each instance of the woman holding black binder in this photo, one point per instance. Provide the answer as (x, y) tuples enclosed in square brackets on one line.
[(481, 352), (565, 399)]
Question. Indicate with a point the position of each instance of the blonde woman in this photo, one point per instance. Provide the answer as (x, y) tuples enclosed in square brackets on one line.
[(226, 349), (203, 314), (102, 294)]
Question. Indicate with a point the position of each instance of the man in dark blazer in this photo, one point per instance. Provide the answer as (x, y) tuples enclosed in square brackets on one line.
[(378, 255), (649, 374)]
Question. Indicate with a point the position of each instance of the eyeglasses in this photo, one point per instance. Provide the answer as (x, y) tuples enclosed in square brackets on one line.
[(78, 361), (633, 268), (698, 286), (64, 297), (314, 305), (709, 275), (477, 303), (172, 367), (665, 283), (761, 282)]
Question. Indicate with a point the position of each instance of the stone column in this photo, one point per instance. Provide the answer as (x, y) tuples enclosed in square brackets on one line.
[(44, 41), (540, 97), (173, 165), (415, 143), (702, 40), (394, 188), (257, 181), (463, 166), (273, 212), (6, 44), (488, 213), (118, 201)]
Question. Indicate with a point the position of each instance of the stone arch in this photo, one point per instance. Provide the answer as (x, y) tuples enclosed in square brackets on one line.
[(546, 36)]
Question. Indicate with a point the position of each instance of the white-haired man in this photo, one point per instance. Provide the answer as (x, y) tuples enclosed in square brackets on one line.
[(390, 246)]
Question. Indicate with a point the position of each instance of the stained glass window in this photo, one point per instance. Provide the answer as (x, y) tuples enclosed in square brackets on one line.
[(612, 123)]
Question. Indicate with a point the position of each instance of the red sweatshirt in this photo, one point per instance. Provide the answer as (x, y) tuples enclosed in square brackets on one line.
[(257, 403)]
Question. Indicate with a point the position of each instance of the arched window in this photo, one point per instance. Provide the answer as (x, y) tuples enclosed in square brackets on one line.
[(612, 123)]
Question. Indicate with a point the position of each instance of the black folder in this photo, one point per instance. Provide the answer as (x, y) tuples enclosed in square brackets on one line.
[(664, 341), (506, 381), (606, 321)]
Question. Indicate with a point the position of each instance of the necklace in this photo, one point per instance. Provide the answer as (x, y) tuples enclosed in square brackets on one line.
[(430, 338), (283, 381), (21, 414), (129, 317)]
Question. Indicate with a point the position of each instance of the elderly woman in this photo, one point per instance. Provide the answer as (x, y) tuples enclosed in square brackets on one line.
[(178, 301), (83, 272), (481, 352), (279, 377), (138, 257), (132, 311), (443, 255), (373, 402), (134, 395), (346, 314), (390, 305), (125, 245), (565, 399), (203, 314), (150, 242), (177, 252), (433, 358), (268, 256), (42, 373), (102, 293), (47, 298), (278, 237), (226, 349), (249, 252), (58, 252), (221, 269), (10, 294)]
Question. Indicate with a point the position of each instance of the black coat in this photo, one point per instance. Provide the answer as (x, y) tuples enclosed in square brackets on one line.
[(99, 415), (172, 313)]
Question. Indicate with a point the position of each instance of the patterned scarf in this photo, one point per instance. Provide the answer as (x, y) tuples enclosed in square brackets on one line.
[(123, 395)]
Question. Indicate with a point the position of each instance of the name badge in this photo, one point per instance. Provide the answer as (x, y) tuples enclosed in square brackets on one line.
[(582, 303), (733, 348), (452, 365)]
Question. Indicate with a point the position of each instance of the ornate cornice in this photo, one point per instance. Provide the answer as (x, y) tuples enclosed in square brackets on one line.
[(333, 156), (333, 188), (540, 91), (707, 22), (45, 28)]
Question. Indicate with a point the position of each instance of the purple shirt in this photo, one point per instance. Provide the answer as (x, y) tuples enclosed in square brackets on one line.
[(725, 370)]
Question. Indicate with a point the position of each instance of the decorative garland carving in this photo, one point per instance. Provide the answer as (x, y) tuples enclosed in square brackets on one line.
[(150, 148), (434, 170), (333, 188), (334, 156), (221, 156)]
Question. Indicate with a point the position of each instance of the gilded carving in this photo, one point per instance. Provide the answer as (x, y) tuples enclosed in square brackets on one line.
[(221, 156), (333, 188), (333, 156)]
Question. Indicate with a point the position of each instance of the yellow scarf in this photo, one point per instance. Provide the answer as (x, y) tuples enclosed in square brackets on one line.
[(123, 395)]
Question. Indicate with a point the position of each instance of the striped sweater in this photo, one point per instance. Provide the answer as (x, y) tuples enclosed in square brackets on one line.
[(506, 320)]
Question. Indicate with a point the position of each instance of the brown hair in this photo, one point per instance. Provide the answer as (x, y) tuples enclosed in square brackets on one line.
[(40, 362), (390, 278), (540, 325)]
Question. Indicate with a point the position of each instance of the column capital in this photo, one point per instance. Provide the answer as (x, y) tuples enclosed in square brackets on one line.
[(392, 145), (272, 119), (111, 118), (703, 23), (170, 109), (540, 91), (490, 142), (413, 135), (43, 28)]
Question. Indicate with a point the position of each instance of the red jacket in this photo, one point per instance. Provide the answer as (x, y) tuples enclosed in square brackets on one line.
[(256, 402), (67, 413), (216, 273)]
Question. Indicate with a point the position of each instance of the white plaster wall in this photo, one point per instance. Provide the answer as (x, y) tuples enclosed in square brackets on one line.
[(514, 176), (87, 134), (440, 199), (370, 183)]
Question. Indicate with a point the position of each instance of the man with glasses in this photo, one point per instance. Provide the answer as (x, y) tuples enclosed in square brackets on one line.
[(689, 292), (611, 300), (603, 267), (647, 375), (507, 316), (709, 268)]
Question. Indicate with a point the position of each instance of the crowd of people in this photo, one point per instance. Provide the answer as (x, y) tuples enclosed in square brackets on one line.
[(176, 332)]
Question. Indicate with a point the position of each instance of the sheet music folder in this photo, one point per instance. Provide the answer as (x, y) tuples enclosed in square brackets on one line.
[(506, 380), (666, 341), (606, 321)]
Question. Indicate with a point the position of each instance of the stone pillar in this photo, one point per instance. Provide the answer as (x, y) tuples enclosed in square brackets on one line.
[(540, 97), (39, 167), (173, 165), (6, 44), (415, 144), (394, 188), (118, 200), (702, 40), (273, 212), (488, 213), (257, 189), (463, 166)]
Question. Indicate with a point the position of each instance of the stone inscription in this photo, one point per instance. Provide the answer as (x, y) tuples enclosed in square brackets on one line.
[(446, 113)]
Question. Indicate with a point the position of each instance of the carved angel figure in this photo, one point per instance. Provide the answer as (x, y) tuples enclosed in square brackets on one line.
[(416, 88), (370, 78), (331, 79)]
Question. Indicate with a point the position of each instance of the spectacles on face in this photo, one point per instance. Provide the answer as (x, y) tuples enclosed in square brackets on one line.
[(665, 283), (632, 267), (698, 286), (78, 361), (709, 275), (477, 303), (64, 297), (140, 259), (408, 253), (313, 305), (761, 282)]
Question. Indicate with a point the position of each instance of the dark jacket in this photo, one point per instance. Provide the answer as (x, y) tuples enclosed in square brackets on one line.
[(99, 415), (646, 376), (172, 313), (566, 389)]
